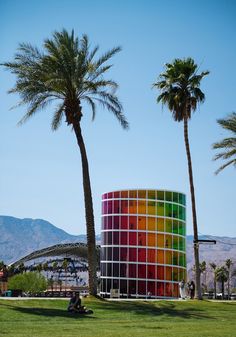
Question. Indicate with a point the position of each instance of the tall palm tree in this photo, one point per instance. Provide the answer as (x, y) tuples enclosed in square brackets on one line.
[(67, 72), (229, 264), (213, 267), (228, 145), (222, 277), (180, 92)]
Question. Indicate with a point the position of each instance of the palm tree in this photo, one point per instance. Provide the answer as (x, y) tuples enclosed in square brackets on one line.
[(213, 267), (67, 73), (222, 276), (180, 91), (228, 264), (65, 264), (228, 145), (202, 268)]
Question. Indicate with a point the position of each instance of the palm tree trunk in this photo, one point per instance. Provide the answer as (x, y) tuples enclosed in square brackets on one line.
[(91, 242), (194, 215)]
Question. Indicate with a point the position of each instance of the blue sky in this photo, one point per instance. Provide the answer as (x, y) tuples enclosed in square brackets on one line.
[(40, 175)]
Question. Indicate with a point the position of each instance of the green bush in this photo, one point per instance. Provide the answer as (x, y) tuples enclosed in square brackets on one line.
[(31, 282)]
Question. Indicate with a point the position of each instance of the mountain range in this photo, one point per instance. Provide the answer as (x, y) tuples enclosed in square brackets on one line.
[(19, 237)]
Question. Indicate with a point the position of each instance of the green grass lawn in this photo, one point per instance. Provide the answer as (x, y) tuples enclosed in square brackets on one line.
[(48, 318)]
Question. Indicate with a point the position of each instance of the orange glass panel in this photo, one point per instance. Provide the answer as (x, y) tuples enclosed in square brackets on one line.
[(168, 257), (124, 194), (151, 239), (124, 206), (151, 223), (141, 207), (151, 256), (168, 289), (142, 222), (142, 194), (160, 225), (132, 222), (160, 256), (160, 240), (132, 206)]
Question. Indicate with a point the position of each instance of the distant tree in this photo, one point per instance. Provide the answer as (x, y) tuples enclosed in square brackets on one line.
[(65, 264), (21, 268), (45, 267), (227, 145), (50, 283), (39, 267), (2, 264), (222, 276), (213, 267), (228, 264), (31, 282), (180, 91)]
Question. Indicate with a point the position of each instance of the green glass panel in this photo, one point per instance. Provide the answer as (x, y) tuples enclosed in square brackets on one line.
[(184, 200), (175, 275), (168, 196), (168, 225), (181, 228), (181, 213), (175, 197), (175, 227), (160, 208), (181, 244), (168, 210), (182, 261), (175, 260), (151, 195), (180, 198), (142, 194), (175, 211), (160, 195), (175, 242)]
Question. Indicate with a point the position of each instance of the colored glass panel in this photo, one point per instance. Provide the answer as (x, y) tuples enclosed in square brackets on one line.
[(168, 275), (168, 225), (175, 259), (142, 194), (151, 255), (151, 271), (168, 257), (142, 223), (168, 210), (181, 243), (175, 242), (175, 197), (123, 238), (132, 254), (116, 195), (175, 274), (151, 240), (151, 288), (132, 206), (133, 194), (124, 194), (132, 287), (116, 222), (168, 241), (142, 270), (123, 254), (109, 207), (151, 210), (175, 292), (168, 289), (160, 240), (160, 225), (116, 206), (160, 209), (151, 224), (142, 255), (133, 222), (181, 213), (124, 222), (142, 287), (181, 228), (160, 289), (175, 227), (151, 195), (116, 238), (109, 222), (141, 239), (123, 287), (175, 211), (133, 238), (141, 207), (160, 273), (160, 256), (116, 269), (124, 206), (160, 195), (116, 254), (168, 196), (132, 270)]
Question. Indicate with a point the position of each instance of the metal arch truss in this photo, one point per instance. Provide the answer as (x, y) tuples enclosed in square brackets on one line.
[(77, 249)]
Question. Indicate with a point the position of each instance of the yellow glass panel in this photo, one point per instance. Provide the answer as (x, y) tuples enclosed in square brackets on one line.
[(160, 240), (142, 194), (168, 257), (151, 210), (151, 224), (168, 226), (151, 239), (141, 207), (160, 256), (142, 222), (160, 208), (160, 225), (168, 273)]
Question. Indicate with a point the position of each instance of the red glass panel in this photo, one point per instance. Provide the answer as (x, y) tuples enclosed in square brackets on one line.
[(142, 287), (109, 195), (124, 207), (168, 274), (151, 288), (160, 273), (105, 222), (160, 289), (151, 256), (132, 238), (124, 222), (142, 254), (132, 222), (116, 222), (105, 207), (168, 290), (123, 238), (141, 239), (123, 254), (132, 270), (116, 206), (151, 272), (132, 254), (109, 207), (124, 194), (142, 270), (175, 290), (116, 195)]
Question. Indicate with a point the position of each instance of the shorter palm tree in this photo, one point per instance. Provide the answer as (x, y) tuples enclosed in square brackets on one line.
[(228, 264), (222, 276), (228, 145)]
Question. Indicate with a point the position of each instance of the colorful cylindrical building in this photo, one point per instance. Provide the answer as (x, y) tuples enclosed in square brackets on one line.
[(143, 243)]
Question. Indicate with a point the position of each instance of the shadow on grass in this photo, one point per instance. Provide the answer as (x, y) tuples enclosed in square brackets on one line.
[(167, 309), (48, 312)]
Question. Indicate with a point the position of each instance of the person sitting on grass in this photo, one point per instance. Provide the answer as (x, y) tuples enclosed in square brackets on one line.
[(75, 303)]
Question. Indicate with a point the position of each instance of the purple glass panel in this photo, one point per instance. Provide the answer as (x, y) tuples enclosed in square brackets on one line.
[(123, 254), (109, 207), (116, 269), (109, 254), (116, 222), (115, 238), (132, 270), (105, 222), (109, 195), (109, 222), (123, 270), (123, 238), (142, 287), (132, 254), (116, 254), (124, 222), (116, 195), (105, 207), (116, 206), (109, 238), (142, 270), (123, 287)]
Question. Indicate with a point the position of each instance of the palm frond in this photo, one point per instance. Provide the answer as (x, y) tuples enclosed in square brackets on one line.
[(57, 118)]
